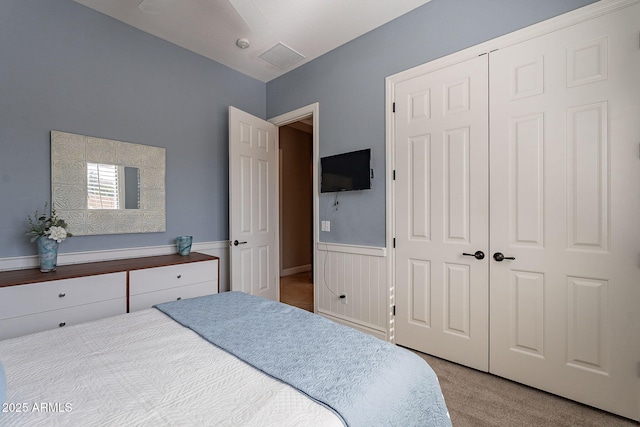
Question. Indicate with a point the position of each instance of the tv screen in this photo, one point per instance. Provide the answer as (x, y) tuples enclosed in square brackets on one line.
[(346, 172)]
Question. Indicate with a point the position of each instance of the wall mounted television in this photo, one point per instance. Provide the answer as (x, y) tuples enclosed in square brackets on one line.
[(346, 172)]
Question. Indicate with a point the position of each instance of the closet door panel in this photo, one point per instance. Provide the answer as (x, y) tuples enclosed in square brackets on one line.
[(441, 211), (565, 204)]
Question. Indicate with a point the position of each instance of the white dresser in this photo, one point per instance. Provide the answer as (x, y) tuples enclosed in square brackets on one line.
[(35, 307), (152, 286), (31, 301)]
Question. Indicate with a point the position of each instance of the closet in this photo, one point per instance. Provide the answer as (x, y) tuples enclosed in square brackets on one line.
[(515, 210)]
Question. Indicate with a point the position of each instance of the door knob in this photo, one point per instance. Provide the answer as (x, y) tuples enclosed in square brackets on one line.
[(236, 243), (477, 254), (498, 256)]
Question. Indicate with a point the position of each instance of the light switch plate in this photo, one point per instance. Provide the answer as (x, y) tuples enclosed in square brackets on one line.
[(325, 226)]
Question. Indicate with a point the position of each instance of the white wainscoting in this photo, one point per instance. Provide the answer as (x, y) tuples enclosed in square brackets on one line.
[(360, 272)]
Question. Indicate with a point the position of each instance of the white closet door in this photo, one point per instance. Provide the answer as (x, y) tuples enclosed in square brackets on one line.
[(565, 203), (441, 212)]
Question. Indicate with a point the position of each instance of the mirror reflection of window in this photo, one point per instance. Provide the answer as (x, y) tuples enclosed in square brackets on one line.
[(112, 187), (102, 186)]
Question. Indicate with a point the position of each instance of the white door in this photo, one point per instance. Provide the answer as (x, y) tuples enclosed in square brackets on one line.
[(565, 203), (441, 213), (253, 202)]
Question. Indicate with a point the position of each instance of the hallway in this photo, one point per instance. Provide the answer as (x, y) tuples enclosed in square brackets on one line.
[(297, 290)]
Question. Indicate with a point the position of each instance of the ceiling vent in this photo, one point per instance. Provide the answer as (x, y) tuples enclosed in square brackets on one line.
[(282, 56)]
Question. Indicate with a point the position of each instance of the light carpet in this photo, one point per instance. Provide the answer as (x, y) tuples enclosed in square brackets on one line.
[(476, 398)]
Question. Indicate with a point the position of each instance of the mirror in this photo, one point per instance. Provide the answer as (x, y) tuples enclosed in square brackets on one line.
[(101, 186), (112, 186)]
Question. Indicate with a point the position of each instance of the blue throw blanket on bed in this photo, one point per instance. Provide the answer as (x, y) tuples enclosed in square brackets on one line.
[(364, 380)]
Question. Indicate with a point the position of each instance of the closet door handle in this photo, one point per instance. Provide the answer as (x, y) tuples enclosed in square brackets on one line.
[(236, 243), (498, 256), (477, 254)]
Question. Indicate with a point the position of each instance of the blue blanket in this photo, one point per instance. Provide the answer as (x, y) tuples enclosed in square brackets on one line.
[(364, 380)]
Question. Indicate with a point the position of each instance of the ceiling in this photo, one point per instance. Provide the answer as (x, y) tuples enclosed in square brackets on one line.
[(300, 30)]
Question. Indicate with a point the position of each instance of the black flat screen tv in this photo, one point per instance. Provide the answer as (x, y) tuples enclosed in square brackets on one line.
[(346, 172)]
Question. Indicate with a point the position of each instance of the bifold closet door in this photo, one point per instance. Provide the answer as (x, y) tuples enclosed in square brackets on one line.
[(565, 203), (441, 213)]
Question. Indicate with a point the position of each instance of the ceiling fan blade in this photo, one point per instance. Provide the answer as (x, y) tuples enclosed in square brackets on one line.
[(154, 7), (251, 15)]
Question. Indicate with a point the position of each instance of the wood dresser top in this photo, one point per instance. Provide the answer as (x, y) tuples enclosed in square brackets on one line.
[(34, 275)]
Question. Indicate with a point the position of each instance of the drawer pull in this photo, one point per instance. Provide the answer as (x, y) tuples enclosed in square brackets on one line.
[(179, 276), (62, 324), (179, 298), (62, 295)]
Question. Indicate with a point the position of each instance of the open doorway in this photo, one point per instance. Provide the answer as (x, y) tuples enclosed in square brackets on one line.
[(254, 266), (296, 213)]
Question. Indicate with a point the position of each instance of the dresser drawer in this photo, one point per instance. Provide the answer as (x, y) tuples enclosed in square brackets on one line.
[(160, 278), (17, 326), (149, 299), (34, 298)]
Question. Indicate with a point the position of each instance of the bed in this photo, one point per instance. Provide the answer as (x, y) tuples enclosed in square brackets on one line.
[(229, 359)]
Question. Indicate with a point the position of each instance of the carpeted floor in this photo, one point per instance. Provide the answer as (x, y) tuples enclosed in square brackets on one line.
[(478, 399)]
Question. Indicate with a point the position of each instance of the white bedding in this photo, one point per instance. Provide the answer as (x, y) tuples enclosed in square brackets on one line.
[(141, 369)]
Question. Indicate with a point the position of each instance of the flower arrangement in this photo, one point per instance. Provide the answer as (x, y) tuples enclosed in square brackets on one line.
[(53, 227)]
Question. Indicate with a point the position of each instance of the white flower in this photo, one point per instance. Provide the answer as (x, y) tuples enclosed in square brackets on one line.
[(57, 233)]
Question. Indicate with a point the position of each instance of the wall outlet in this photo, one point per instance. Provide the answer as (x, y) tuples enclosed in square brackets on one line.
[(325, 226), (343, 298)]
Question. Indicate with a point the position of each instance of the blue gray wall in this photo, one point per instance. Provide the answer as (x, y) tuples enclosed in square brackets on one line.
[(66, 67), (349, 85)]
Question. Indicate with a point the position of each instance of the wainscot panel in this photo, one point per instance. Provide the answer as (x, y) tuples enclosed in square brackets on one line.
[(360, 273)]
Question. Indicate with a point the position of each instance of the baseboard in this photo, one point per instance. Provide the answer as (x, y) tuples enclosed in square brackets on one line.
[(367, 329), (295, 270)]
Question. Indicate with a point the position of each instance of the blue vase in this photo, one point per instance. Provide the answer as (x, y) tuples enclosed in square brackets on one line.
[(184, 244), (48, 252)]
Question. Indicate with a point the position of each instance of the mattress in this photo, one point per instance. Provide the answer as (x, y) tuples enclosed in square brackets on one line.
[(142, 369)]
